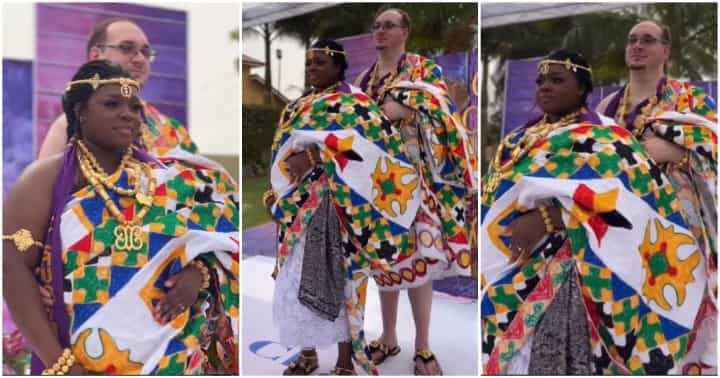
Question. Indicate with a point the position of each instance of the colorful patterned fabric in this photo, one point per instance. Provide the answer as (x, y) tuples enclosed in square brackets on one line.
[(162, 133), (626, 237), (448, 168), (372, 185), (686, 116), (193, 216)]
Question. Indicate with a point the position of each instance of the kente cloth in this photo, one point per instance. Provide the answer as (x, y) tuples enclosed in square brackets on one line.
[(111, 286), (441, 237), (641, 272), (374, 188), (686, 116), (162, 134)]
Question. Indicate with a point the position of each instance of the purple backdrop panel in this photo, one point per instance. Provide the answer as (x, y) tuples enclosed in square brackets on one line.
[(17, 119), (520, 93), (471, 120), (62, 31), (361, 54)]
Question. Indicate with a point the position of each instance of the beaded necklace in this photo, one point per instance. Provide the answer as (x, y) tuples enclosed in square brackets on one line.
[(639, 123), (307, 100), (380, 94), (520, 148), (128, 234)]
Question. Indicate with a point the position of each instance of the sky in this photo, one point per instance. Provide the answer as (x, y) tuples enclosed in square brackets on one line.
[(287, 76)]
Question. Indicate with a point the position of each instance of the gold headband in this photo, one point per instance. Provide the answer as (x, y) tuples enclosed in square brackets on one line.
[(544, 66), (327, 51), (96, 82)]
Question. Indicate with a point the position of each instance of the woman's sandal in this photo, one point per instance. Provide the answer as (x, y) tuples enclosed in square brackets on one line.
[(426, 356), (384, 349), (342, 371), (303, 365)]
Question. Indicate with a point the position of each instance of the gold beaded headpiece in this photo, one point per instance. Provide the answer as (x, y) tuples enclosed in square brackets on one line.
[(326, 50), (96, 82), (544, 66)]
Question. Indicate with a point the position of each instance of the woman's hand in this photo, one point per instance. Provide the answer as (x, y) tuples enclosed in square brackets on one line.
[(183, 290), (395, 110), (528, 229), (299, 163), (77, 369), (662, 151)]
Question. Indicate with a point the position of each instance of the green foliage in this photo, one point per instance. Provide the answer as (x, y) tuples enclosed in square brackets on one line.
[(253, 212), (436, 28), (258, 128)]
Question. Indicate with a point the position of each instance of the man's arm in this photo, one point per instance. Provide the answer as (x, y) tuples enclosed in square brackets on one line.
[(55, 139)]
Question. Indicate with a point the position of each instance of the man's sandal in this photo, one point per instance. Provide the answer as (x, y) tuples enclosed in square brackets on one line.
[(342, 371), (426, 357), (384, 349), (303, 365)]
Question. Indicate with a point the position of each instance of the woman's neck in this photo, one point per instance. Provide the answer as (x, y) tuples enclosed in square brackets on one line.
[(557, 117), (322, 88), (109, 160)]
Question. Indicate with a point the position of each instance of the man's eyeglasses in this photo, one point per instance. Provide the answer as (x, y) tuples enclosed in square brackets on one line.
[(385, 26), (644, 41), (131, 51)]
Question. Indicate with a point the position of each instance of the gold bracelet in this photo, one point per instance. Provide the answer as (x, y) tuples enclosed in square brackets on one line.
[(204, 271), (311, 158), (23, 239), (549, 226), (62, 365), (268, 193), (685, 161)]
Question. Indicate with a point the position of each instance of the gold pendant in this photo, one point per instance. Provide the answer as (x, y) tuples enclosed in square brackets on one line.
[(144, 200), (128, 238)]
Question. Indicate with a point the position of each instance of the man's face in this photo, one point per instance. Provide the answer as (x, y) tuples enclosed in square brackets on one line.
[(129, 41), (388, 31), (645, 48)]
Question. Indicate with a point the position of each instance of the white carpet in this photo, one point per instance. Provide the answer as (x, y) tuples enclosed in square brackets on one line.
[(453, 330)]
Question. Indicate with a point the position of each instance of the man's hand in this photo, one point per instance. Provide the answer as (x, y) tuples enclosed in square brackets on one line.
[(662, 151), (395, 110)]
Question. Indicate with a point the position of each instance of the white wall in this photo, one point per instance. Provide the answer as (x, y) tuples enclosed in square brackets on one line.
[(214, 85)]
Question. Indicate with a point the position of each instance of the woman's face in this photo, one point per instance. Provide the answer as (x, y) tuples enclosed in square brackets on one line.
[(320, 70), (558, 92), (111, 120)]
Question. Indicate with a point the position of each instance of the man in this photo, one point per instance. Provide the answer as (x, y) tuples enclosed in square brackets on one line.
[(123, 42), (675, 121), (411, 92)]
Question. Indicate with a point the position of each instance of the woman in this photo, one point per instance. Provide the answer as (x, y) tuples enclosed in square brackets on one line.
[(582, 237), (158, 240), (344, 196)]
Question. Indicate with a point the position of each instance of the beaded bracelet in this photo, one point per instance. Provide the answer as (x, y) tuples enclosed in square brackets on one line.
[(62, 365), (204, 271), (549, 226), (311, 158)]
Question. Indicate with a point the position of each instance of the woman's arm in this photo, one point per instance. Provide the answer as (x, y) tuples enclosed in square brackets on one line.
[(28, 207)]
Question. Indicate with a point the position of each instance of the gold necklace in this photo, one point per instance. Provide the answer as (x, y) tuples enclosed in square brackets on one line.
[(386, 84), (128, 234), (307, 100), (520, 148), (639, 123), (103, 177)]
